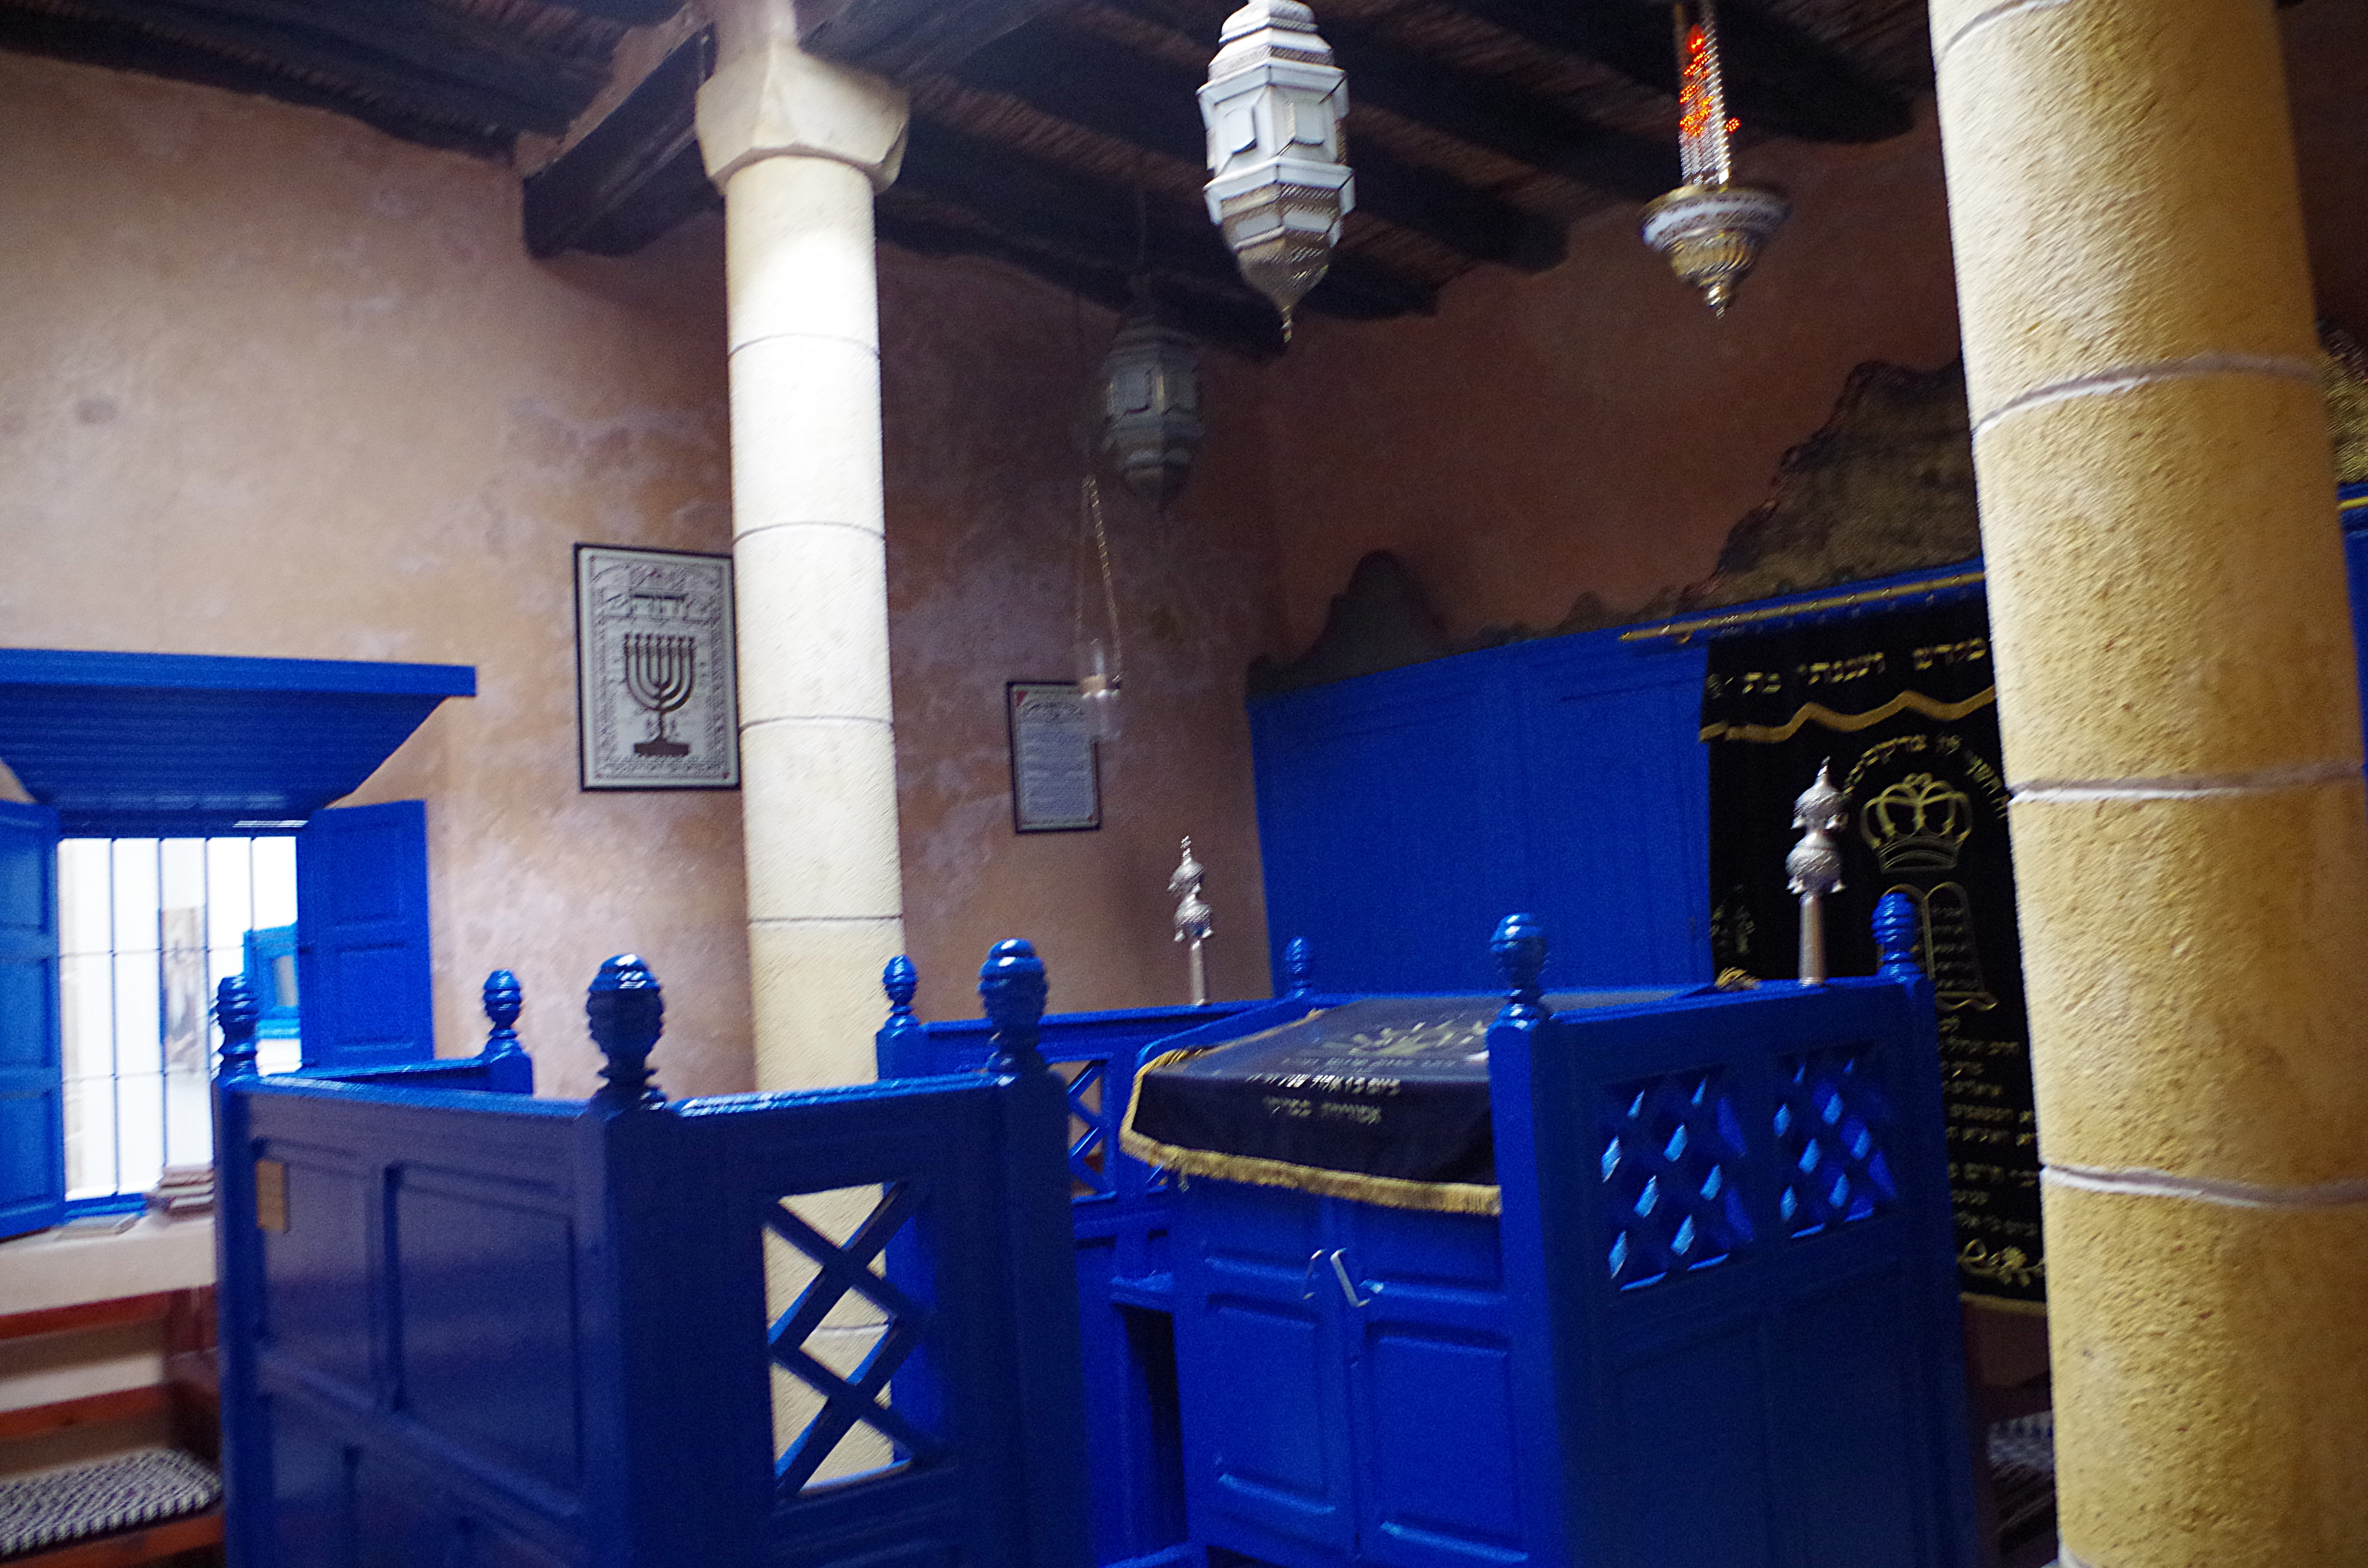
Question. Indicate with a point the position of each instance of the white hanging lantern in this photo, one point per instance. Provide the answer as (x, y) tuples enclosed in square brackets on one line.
[(1278, 180), (1710, 228), (1151, 403)]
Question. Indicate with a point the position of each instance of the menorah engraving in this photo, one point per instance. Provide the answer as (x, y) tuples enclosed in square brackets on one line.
[(660, 671)]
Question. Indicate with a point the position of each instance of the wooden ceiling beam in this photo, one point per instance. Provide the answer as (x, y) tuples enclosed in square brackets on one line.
[(633, 13), (391, 49), (1244, 326), (118, 48), (1500, 118), (1091, 81), (1034, 202), (632, 176), (1779, 76), (904, 39)]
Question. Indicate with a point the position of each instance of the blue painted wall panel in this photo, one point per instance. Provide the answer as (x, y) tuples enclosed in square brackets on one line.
[(1402, 814), (32, 1118)]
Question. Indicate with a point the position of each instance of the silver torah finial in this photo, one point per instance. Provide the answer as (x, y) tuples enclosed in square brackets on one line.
[(1193, 918), (1815, 864)]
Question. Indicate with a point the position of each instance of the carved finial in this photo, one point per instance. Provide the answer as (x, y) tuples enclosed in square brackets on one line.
[(235, 1011), (1897, 932), (1519, 946), (1815, 864), (1011, 982), (1298, 967), (626, 1007), (1195, 920), (902, 982), (504, 1001)]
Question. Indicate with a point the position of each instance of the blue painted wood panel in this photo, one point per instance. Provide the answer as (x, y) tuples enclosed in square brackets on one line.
[(134, 744), (33, 1095), (365, 978), (486, 1329), (1400, 814), (1119, 1214), (1717, 1326)]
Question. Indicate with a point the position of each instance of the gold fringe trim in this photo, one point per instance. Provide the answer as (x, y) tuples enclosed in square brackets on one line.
[(2002, 1304), (1906, 702), (1391, 1192)]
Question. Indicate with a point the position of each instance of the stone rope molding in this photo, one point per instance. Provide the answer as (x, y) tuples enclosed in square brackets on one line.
[(1981, 19), (2188, 786), (2141, 1182), (2132, 378)]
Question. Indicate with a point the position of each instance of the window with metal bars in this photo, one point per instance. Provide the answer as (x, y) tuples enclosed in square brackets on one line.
[(146, 928)]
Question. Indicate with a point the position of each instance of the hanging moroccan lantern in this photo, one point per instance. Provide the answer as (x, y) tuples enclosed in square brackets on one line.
[(1710, 228), (1151, 403), (1278, 180)]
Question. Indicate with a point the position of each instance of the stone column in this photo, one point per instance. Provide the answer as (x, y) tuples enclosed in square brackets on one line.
[(2182, 732), (798, 146)]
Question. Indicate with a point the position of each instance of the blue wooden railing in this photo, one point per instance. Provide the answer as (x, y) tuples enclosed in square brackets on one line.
[(1119, 1216), (462, 1326)]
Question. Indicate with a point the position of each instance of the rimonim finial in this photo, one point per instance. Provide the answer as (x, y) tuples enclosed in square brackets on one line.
[(1195, 921), (1815, 864)]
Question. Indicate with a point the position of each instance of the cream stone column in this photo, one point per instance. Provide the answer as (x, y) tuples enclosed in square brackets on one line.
[(2181, 726), (798, 146)]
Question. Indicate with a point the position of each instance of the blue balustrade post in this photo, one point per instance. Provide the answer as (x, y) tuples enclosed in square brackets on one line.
[(1522, 1088), (508, 1069), (1011, 982), (1298, 967), (1519, 949), (1898, 931), (896, 1048), (238, 1273), (1050, 1393), (626, 1008)]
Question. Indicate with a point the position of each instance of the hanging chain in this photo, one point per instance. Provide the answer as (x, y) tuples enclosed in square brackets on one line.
[(1092, 523)]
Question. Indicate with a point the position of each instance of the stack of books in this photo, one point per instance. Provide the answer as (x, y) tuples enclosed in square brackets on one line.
[(183, 1191)]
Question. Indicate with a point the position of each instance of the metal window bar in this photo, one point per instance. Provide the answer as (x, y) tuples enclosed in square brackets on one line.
[(147, 928)]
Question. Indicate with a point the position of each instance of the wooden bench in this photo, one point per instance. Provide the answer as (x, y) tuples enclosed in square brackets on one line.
[(185, 1408)]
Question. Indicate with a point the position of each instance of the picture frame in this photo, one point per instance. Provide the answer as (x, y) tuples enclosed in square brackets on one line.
[(656, 670), (1056, 764)]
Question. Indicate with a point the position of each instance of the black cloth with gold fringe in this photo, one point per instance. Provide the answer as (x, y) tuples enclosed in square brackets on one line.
[(1384, 1099), (1904, 707)]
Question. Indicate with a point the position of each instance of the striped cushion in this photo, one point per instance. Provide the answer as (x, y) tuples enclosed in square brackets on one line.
[(52, 1507)]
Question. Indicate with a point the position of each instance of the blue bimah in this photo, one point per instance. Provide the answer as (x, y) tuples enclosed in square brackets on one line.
[(466, 1328), (1626, 1280)]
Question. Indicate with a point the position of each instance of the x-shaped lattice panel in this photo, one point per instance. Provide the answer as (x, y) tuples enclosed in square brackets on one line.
[(1083, 1168), (842, 1268), (1829, 1116), (1671, 1146)]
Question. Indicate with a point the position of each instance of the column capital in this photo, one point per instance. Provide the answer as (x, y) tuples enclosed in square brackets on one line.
[(770, 98)]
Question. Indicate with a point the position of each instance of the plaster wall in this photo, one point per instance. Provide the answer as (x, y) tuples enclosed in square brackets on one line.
[(1594, 429), (280, 385), (277, 384), (987, 378)]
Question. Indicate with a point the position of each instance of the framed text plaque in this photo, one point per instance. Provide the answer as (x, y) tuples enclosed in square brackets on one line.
[(1055, 776), (655, 667)]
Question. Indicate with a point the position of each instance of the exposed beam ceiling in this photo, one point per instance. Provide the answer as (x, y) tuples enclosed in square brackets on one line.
[(1063, 135)]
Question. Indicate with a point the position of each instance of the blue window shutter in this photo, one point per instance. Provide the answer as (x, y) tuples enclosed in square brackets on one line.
[(365, 992), (32, 1087)]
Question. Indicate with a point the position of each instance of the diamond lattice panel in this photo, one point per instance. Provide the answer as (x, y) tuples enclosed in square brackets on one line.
[(1672, 1149), (1831, 1115), (846, 1330), (1088, 1150)]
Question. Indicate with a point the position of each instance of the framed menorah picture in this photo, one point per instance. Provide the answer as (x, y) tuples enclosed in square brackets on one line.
[(655, 664)]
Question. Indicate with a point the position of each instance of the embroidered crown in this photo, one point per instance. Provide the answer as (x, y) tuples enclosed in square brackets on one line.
[(1919, 823)]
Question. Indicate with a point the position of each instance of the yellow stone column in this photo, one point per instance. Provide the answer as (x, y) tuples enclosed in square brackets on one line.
[(798, 146), (2182, 724)]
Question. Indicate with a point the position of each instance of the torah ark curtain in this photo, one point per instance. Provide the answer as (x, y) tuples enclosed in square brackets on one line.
[(1904, 707)]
